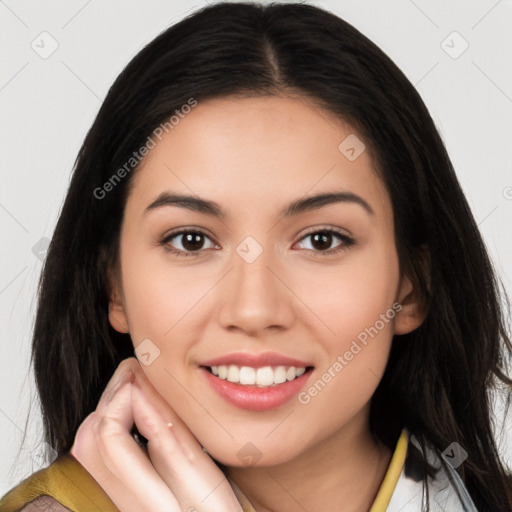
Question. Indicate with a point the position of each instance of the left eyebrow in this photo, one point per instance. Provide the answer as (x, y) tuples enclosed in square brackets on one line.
[(302, 205), (318, 201)]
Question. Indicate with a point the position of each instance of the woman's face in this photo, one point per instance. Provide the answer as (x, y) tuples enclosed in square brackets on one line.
[(260, 277)]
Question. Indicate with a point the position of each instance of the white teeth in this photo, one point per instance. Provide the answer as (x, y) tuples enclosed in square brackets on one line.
[(279, 375), (262, 377), (290, 373), (223, 372), (247, 375), (233, 374), (265, 376)]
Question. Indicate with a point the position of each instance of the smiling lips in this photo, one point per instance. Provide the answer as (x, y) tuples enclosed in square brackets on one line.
[(256, 381)]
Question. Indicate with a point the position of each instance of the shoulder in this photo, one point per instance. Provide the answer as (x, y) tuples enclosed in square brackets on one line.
[(65, 485), (45, 503)]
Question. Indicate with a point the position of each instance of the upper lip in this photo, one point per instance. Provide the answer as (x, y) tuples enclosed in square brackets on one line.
[(256, 360)]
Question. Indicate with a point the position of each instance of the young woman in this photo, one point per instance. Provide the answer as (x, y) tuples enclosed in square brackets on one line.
[(265, 213)]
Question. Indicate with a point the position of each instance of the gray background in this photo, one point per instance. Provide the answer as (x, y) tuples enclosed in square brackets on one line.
[(48, 103)]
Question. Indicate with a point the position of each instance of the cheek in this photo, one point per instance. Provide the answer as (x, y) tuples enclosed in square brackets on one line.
[(158, 296), (355, 302), (351, 297)]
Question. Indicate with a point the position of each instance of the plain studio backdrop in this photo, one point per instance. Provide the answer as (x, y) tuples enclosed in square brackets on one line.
[(59, 59)]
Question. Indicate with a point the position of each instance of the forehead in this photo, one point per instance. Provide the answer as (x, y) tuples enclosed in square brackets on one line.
[(257, 150)]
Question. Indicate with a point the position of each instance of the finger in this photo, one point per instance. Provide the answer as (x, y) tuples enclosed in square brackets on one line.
[(188, 441), (126, 460), (192, 476), (85, 447), (210, 475), (125, 372), (85, 451)]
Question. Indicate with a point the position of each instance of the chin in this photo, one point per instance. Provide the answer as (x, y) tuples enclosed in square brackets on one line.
[(251, 454)]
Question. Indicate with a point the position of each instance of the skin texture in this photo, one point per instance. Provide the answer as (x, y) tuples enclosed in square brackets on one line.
[(253, 156)]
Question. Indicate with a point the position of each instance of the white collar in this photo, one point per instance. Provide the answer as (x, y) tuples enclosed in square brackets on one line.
[(445, 495)]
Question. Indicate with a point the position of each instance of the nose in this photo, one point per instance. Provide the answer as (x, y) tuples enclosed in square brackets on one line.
[(254, 296)]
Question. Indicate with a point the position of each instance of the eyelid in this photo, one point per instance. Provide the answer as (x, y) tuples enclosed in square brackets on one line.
[(188, 229), (347, 239), (316, 229)]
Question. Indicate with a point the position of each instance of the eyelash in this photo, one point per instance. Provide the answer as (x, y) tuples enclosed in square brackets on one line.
[(347, 241)]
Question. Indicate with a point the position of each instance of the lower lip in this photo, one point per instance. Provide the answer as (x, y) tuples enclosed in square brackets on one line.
[(253, 398)]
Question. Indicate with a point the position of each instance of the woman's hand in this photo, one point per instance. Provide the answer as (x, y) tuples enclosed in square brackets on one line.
[(172, 475)]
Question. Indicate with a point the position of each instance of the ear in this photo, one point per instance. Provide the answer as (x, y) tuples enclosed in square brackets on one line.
[(412, 314), (116, 311)]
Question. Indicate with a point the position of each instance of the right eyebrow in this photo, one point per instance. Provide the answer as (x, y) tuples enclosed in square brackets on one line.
[(193, 203)]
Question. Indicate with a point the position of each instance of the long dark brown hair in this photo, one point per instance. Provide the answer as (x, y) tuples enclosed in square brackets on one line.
[(440, 378)]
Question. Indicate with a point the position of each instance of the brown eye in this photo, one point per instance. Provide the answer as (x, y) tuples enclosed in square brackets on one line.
[(187, 241), (321, 241), (192, 241)]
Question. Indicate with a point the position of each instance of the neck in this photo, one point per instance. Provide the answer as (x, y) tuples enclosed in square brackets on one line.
[(342, 472)]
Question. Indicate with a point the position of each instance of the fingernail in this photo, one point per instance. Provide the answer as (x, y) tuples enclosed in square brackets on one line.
[(123, 378)]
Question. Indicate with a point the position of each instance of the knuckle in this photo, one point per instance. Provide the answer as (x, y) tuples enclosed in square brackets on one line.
[(150, 424), (129, 364), (84, 439), (108, 428), (108, 435), (86, 428), (125, 376)]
